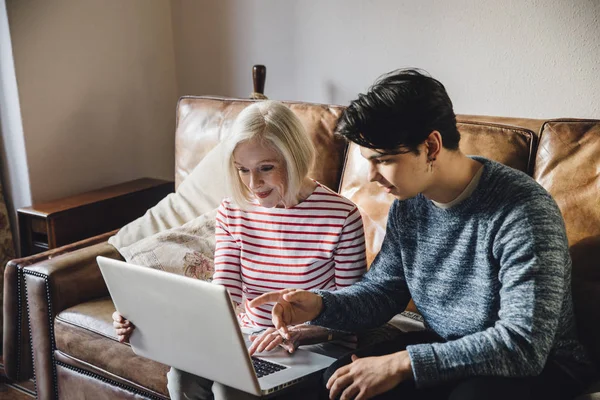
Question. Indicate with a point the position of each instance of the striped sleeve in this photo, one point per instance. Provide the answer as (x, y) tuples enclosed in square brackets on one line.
[(227, 256), (350, 257)]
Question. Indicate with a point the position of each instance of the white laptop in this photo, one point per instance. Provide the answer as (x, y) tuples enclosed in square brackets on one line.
[(191, 325)]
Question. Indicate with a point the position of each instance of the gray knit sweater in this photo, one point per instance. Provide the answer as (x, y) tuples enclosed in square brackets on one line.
[(491, 275)]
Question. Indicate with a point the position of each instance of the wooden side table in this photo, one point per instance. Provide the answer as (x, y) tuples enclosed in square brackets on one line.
[(56, 223)]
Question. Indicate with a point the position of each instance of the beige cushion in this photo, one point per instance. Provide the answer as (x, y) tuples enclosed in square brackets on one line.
[(185, 250), (200, 192)]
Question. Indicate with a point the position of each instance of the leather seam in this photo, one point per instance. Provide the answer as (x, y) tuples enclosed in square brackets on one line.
[(59, 318), (30, 337), (50, 328), (19, 317), (249, 101), (496, 125), (106, 380)]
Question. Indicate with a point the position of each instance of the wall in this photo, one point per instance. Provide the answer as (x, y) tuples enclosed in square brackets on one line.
[(15, 175), (510, 58), (98, 80), (97, 88)]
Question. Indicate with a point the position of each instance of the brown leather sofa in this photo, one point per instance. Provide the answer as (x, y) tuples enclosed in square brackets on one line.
[(16, 344), (75, 352)]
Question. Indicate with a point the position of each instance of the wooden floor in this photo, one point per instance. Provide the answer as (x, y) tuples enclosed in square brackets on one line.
[(15, 390)]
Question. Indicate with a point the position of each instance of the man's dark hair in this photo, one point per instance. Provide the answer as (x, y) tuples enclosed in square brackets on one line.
[(399, 111)]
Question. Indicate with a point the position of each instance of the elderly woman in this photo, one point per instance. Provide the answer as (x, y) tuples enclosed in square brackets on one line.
[(279, 229)]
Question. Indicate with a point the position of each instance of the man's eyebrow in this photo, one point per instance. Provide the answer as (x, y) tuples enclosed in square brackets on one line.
[(394, 153), (378, 155)]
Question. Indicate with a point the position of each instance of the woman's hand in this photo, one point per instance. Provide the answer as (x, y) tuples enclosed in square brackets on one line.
[(299, 335), (292, 306), (265, 341), (123, 327)]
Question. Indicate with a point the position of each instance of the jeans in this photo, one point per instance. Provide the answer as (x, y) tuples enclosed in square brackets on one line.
[(552, 384), (185, 386)]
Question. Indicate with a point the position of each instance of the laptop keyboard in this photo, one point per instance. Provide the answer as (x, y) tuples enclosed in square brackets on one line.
[(264, 368)]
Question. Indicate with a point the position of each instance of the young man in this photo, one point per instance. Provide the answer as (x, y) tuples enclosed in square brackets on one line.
[(480, 247)]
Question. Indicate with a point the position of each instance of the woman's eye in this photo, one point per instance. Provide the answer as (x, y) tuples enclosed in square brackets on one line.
[(266, 168), (242, 170)]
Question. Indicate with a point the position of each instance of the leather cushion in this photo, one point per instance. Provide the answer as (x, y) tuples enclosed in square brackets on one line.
[(73, 383), (568, 165), (203, 121), (85, 332)]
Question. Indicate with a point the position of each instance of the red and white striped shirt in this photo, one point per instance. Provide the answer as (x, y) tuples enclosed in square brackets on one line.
[(317, 244)]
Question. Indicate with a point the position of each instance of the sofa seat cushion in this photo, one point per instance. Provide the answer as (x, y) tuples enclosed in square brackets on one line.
[(85, 334)]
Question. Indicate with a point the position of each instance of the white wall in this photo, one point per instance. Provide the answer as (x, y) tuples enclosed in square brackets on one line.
[(15, 175), (98, 90), (538, 59), (98, 80)]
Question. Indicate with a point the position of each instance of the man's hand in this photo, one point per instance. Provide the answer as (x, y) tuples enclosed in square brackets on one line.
[(370, 376), (123, 327), (292, 306)]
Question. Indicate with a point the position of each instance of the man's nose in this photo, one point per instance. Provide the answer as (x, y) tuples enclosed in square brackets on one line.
[(373, 174)]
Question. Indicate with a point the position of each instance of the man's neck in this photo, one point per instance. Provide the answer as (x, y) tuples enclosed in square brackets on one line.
[(452, 173)]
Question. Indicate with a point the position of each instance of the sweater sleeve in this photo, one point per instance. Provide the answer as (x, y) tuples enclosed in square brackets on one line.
[(531, 249), (375, 299), (227, 256), (349, 256)]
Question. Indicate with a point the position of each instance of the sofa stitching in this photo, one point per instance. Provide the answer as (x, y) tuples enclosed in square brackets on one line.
[(533, 143), (50, 328), (30, 338), (87, 328), (106, 380), (234, 100), (495, 125), (19, 316)]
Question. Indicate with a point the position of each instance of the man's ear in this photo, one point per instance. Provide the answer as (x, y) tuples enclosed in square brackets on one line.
[(433, 144)]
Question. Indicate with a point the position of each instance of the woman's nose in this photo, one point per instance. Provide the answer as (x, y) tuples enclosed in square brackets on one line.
[(255, 180)]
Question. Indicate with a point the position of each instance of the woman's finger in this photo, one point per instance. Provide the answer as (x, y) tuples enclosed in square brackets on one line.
[(268, 340), (257, 340), (117, 317), (275, 341)]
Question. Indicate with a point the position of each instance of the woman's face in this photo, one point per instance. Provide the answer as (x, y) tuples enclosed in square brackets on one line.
[(262, 170)]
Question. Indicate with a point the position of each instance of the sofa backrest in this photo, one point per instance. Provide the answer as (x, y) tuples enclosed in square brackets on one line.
[(202, 122), (567, 165)]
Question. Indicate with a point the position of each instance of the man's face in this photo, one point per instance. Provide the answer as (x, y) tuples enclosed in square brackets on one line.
[(404, 175)]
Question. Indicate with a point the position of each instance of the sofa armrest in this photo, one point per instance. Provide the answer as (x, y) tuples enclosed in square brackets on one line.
[(16, 347), (52, 286)]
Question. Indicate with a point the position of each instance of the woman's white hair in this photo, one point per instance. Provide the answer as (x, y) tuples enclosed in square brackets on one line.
[(278, 126)]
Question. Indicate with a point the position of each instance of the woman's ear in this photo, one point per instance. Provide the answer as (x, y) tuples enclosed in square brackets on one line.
[(433, 145)]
